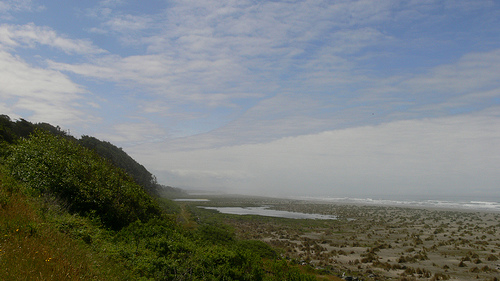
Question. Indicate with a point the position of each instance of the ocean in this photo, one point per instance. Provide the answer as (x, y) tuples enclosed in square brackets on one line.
[(490, 204)]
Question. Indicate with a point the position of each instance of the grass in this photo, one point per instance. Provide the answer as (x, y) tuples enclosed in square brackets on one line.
[(34, 245)]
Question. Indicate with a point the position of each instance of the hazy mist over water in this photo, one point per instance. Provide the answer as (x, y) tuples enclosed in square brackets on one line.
[(489, 204), (453, 202)]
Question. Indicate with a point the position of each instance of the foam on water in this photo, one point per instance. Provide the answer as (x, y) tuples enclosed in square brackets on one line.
[(489, 206)]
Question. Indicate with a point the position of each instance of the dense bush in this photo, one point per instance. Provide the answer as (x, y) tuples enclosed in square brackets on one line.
[(215, 234), (258, 247), (11, 131), (122, 160), (163, 251), (86, 182)]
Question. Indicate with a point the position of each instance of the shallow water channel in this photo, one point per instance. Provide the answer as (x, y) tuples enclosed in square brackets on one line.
[(265, 211)]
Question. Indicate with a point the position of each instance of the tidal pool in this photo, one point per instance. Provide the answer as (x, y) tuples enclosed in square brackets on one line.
[(190, 200), (265, 211)]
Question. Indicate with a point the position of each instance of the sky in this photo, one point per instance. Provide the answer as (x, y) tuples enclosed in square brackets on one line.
[(277, 98)]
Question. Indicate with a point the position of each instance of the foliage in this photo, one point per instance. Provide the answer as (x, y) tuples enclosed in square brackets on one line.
[(87, 183), (68, 214), (281, 270), (160, 250), (12, 131), (171, 192), (32, 248), (6, 130), (122, 160), (215, 234), (258, 247)]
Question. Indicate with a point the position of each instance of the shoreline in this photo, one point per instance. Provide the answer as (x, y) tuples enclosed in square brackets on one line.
[(441, 205), (460, 204)]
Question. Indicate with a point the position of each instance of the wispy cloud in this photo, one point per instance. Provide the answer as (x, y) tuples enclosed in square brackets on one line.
[(473, 72), (48, 95), (42, 94), (127, 23), (134, 133), (199, 81), (30, 35), (217, 53), (469, 84), (9, 6)]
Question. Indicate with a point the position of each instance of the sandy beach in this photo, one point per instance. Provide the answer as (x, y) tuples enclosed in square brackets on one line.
[(381, 242)]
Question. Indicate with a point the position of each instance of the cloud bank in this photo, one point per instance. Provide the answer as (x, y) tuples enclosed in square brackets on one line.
[(436, 156)]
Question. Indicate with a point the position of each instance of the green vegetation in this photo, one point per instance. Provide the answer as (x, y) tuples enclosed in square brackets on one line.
[(89, 185), (67, 212), (122, 160), (12, 131)]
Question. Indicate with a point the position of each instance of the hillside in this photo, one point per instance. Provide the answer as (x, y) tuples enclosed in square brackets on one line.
[(12, 131), (67, 213)]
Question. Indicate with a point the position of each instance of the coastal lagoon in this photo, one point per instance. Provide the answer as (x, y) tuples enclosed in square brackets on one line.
[(190, 200), (267, 212)]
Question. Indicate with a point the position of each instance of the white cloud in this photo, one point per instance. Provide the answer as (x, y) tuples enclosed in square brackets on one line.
[(473, 72), (46, 94), (195, 81), (128, 23), (30, 35), (111, 2), (437, 92), (379, 101), (217, 53), (20, 79), (9, 111), (8, 6), (134, 133), (454, 154), (352, 41)]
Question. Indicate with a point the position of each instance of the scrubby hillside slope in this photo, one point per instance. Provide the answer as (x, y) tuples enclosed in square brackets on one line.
[(68, 214)]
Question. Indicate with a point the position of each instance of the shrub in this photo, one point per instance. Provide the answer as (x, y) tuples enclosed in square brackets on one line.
[(86, 182), (215, 234), (257, 247), (492, 258)]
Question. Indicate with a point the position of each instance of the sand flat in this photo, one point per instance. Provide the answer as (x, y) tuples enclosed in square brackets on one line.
[(384, 242)]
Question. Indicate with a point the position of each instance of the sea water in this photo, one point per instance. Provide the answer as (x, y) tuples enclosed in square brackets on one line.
[(491, 205)]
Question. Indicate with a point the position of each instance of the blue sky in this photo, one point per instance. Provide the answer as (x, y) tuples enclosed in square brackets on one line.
[(326, 98)]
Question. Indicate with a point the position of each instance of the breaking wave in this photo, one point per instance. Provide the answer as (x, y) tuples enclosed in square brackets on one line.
[(489, 206)]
